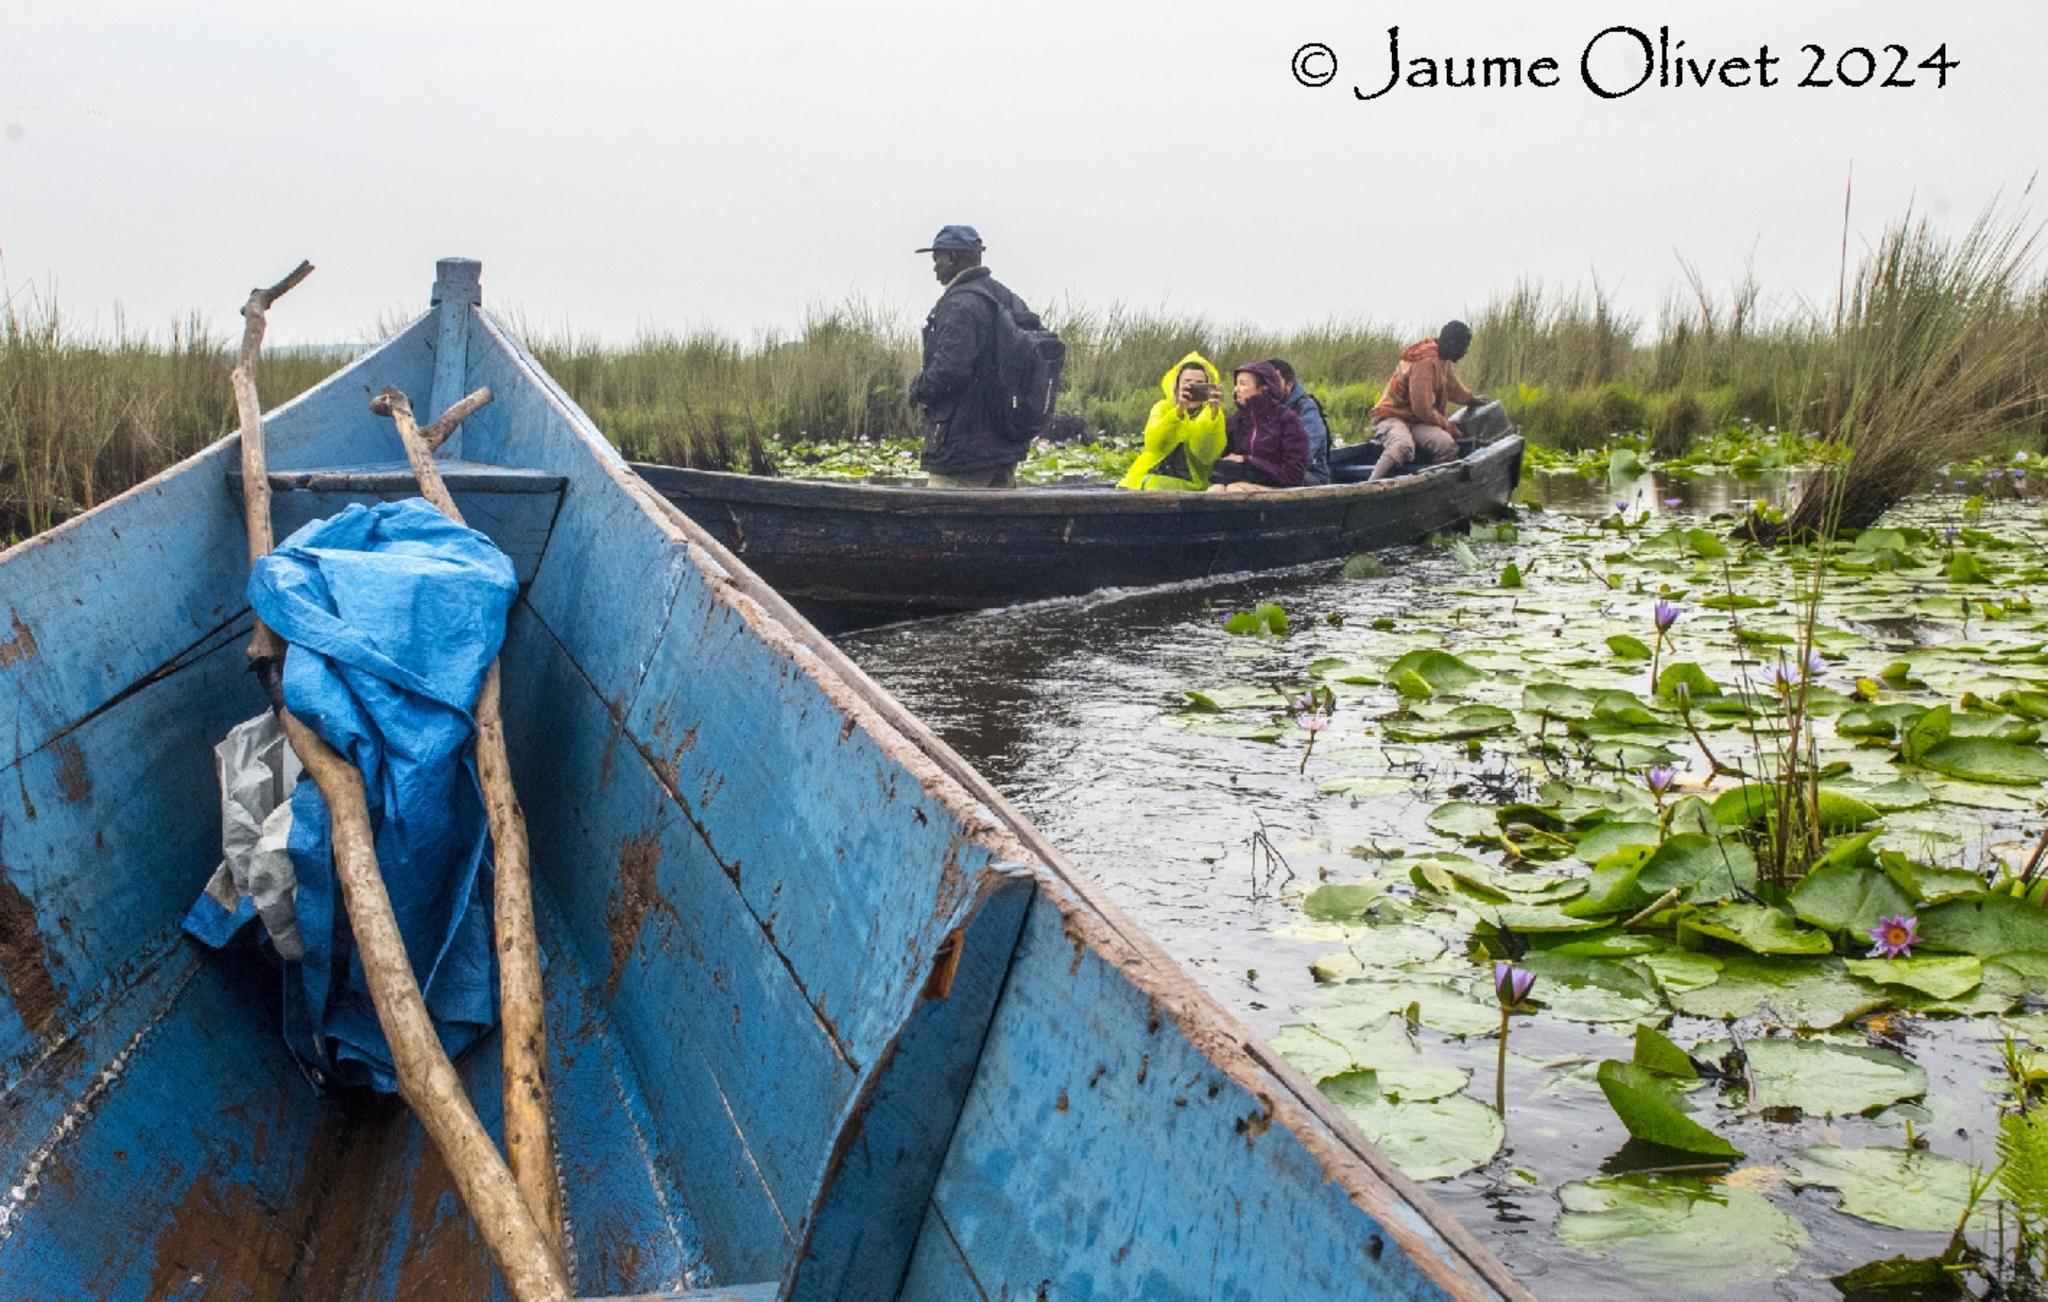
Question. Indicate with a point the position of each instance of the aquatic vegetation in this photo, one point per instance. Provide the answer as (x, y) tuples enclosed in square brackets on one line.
[(1723, 841), (1511, 985), (1894, 937)]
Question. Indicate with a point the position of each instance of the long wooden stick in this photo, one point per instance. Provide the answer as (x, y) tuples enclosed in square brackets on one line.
[(426, 1079), (529, 1143), (263, 644)]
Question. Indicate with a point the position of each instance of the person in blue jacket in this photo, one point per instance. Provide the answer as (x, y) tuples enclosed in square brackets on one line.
[(1303, 404)]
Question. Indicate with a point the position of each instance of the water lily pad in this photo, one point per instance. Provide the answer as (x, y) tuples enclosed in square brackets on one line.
[(1443, 671), (1593, 989), (1891, 1186), (1678, 972), (1848, 899), (1942, 976), (1992, 923), (1606, 838), (1704, 869), (1890, 797), (1343, 901), (1681, 1232), (1558, 701), (1428, 1140), (1758, 928), (1365, 785), (1447, 1005), (1467, 820), (1385, 949), (1628, 647), (1984, 759), (1812, 993), (1464, 721), (1402, 1071), (1688, 675), (1657, 1054), (1823, 1079), (1653, 1108), (1930, 885), (1750, 804)]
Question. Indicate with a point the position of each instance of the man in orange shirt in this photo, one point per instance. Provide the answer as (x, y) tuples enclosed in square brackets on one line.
[(1409, 420)]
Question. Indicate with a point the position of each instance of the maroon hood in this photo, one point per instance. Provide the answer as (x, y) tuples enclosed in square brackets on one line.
[(1275, 386)]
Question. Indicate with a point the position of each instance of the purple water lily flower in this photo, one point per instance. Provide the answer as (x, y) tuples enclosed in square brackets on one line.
[(1303, 704), (1659, 777), (1673, 503), (1815, 666), (2018, 475), (1895, 937), (1314, 722), (1666, 614), (1511, 984)]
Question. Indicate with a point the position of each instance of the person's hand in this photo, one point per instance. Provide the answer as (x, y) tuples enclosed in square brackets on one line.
[(1480, 400), (1215, 400)]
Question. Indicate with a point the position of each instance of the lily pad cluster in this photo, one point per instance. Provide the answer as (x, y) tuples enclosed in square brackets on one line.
[(1585, 763)]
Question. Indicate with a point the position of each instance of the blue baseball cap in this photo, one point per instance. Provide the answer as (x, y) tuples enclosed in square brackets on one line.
[(954, 239)]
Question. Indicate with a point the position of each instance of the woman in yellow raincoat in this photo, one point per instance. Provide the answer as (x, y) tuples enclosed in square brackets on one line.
[(1185, 433)]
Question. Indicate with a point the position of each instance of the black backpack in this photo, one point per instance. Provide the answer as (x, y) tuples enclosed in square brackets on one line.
[(1023, 378)]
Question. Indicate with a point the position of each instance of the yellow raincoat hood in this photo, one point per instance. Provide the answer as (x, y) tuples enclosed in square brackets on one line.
[(1198, 439)]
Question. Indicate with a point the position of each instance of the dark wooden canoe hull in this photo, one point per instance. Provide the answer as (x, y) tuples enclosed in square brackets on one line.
[(850, 555)]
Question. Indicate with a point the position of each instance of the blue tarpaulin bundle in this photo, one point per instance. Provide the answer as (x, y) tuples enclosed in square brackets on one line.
[(393, 615)]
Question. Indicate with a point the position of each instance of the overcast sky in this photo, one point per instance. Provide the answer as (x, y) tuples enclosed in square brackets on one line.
[(629, 164)]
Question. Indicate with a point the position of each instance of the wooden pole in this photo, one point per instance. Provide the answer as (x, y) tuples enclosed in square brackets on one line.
[(426, 1079), (522, 1014), (263, 644)]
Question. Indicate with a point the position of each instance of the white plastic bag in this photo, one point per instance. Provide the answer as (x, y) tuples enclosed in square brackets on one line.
[(257, 773)]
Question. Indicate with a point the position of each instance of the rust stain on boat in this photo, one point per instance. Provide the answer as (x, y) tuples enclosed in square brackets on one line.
[(19, 647), (635, 894), (73, 782), (24, 961), (216, 1243)]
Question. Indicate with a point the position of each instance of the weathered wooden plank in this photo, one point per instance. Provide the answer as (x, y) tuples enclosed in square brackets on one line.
[(1101, 1153), (857, 906), (514, 508), (178, 1170), (864, 1219), (737, 1073), (107, 834)]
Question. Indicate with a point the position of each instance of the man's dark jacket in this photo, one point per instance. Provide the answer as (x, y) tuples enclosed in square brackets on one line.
[(953, 389), (1305, 406)]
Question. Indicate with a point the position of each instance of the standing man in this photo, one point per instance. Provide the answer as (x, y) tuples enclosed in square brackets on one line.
[(964, 446), (1409, 420), (1304, 404)]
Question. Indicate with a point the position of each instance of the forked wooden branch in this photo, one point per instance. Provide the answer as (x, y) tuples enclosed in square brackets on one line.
[(263, 644), (427, 1080), (446, 423), (522, 1016)]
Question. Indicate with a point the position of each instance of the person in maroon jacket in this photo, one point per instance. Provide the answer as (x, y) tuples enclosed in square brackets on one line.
[(1267, 446)]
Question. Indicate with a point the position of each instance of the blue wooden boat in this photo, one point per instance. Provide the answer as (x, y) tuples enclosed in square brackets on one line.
[(827, 1018)]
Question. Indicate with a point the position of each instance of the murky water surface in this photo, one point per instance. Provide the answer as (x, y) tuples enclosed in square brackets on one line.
[(1070, 709)]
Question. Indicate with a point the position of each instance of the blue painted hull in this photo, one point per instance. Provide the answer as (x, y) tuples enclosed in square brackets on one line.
[(827, 1018)]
